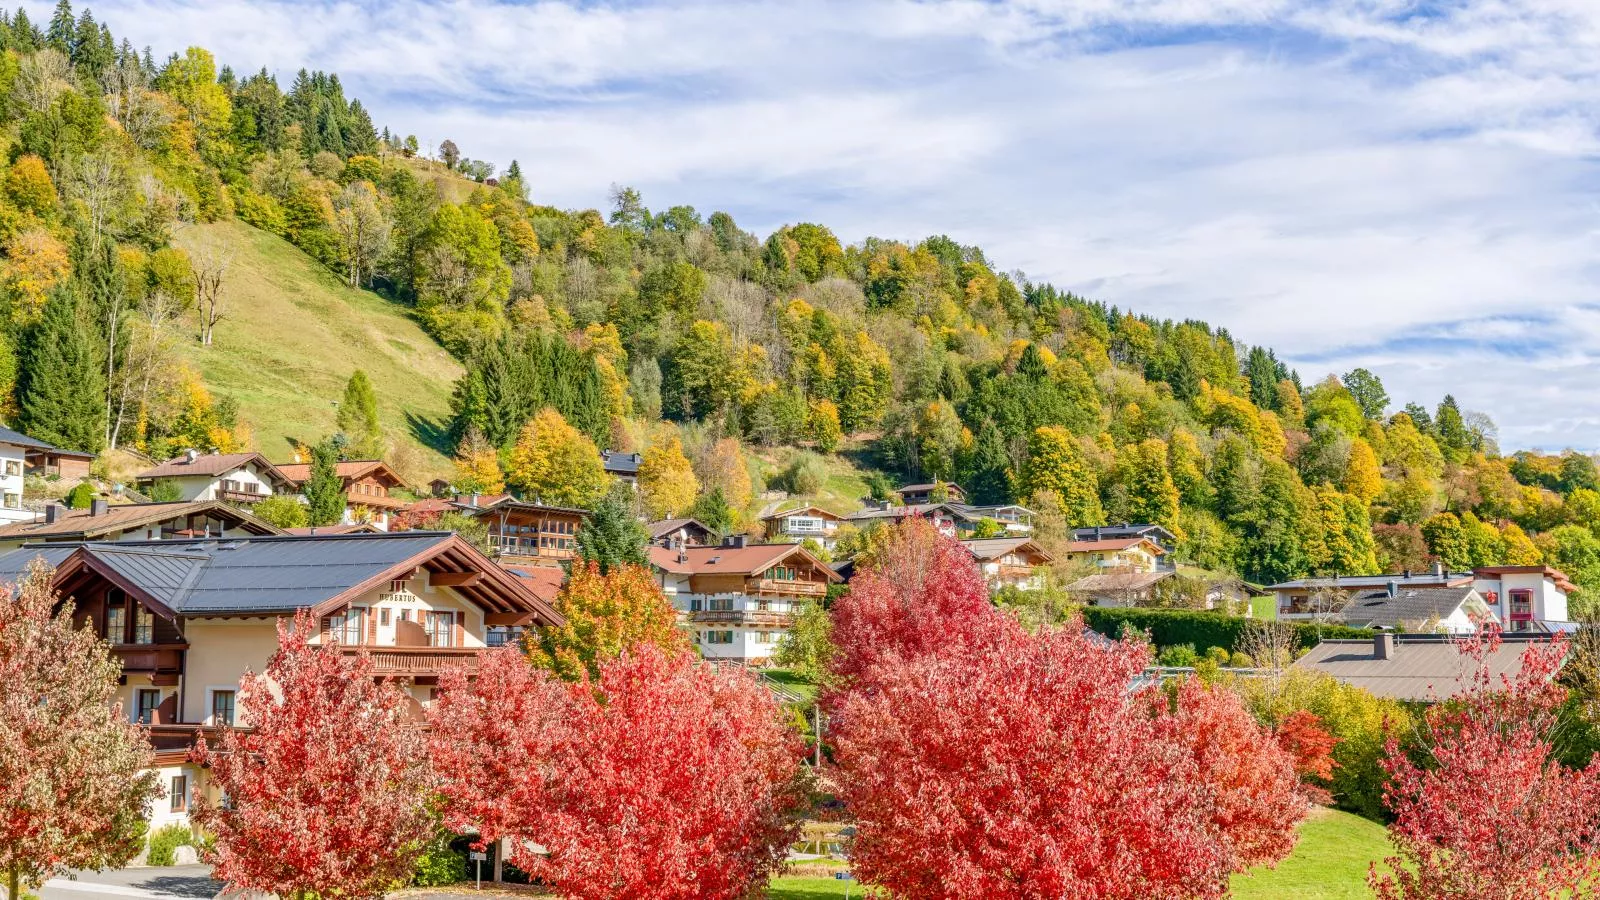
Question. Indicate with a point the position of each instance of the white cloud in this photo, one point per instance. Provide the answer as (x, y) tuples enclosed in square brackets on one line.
[(1382, 182)]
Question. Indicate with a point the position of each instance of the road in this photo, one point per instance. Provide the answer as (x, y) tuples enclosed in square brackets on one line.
[(169, 883)]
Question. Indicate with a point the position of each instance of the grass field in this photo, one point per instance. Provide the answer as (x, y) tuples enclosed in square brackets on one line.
[(293, 333), (1330, 863)]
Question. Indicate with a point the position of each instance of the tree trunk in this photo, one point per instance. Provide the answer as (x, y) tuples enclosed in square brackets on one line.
[(13, 886)]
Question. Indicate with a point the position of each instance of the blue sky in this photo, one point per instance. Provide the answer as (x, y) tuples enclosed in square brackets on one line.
[(1407, 186)]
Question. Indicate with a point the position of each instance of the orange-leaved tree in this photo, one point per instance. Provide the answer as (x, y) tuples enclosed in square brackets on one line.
[(605, 615)]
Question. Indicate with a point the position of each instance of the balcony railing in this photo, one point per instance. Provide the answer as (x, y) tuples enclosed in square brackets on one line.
[(150, 657), (529, 547), (781, 586), (415, 661), (753, 617), (237, 496)]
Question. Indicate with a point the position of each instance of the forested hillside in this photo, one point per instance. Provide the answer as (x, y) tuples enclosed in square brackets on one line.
[(152, 299)]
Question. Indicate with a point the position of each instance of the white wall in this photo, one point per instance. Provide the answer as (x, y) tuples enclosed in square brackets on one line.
[(11, 465)]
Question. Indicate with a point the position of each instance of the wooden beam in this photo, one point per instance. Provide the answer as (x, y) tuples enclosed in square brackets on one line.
[(455, 579), (511, 618)]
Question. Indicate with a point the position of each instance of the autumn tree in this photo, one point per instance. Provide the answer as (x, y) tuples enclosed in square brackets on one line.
[(1489, 811), (607, 614), (822, 423), (358, 417), (76, 781), (362, 226), (723, 465), (553, 463), (477, 465), (327, 793), (666, 777), (1056, 463), (666, 479)]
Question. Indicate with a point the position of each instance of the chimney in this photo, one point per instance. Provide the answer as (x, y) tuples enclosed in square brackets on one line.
[(1097, 532), (1383, 646), (53, 513), (1394, 588), (474, 498), (683, 555), (735, 541), (1438, 568), (1406, 574), (190, 455), (97, 507)]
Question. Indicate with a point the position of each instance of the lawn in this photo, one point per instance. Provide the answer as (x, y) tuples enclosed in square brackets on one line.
[(793, 681), (1330, 863)]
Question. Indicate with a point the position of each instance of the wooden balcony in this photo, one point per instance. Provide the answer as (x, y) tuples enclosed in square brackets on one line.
[(792, 588), (755, 618), (512, 549), (416, 662), (237, 496), (162, 662)]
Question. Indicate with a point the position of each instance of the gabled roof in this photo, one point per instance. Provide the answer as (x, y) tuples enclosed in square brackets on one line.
[(803, 510), (1421, 666), (346, 469), (209, 465), (1370, 582), (665, 527), (278, 575), (1113, 544), (83, 524), (508, 503), (1117, 582), (353, 528), (18, 439), (994, 548), (1556, 575), (1409, 607), (620, 463), (954, 489), (1137, 529), (751, 559), (545, 581)]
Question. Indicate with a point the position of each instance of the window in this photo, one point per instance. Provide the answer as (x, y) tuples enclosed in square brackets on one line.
[(383, 617), (13, 468), (767, 637), (439, 632), (783, 573), (145, 703), (345, 627), (719, 637), (13, 500), (144, 626), (719, 604), (222, 707), (501, 635), (116, 612), (178, 797)]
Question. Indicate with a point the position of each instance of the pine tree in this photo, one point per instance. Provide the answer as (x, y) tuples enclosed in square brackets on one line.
[(712, 510), (63, 28), (323, 490), (988, 476), (358, 417), (611, 536), (62, 389)]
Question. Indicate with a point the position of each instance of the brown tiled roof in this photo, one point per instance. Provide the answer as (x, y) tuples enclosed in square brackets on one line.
[(1117, 544), (348, 468), (544, 581), (751, 559), (206, 464), (83, 524), (667, 526)]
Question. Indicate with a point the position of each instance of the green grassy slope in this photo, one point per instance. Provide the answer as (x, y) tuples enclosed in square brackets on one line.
[(292, 335)]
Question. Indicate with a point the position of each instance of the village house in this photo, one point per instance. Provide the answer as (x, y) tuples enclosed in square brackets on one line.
[(952, 519), (1124, 554), (21, 456), (791, 526), (914, 494), (1009, 562), (737, 599), (1190, 589), (135, 522), (366, 485), (680, 533), (525, 533), (1163, 538), (1444, 610), (1522, 598), (1413, 667), (234, 477), (187, 618), (621, 466)]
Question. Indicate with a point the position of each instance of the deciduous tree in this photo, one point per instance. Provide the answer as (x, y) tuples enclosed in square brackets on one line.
[(553, 463), (666, 479), (607, 614), (477, 465), (75, 776), (328, 792), (1057, 464)]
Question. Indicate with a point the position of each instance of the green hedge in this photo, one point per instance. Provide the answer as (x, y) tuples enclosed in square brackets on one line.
[(1201, 630)]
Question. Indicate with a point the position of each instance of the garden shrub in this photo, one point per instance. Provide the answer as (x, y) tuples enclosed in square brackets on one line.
[(440, 863), (1219, 655), (1202, 630), (1178, 655), (81, 495), (165, 842)]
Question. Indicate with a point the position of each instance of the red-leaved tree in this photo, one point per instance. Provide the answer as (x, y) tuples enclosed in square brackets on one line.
[(75, 784), (327, 788), (666, 778), (1301, 733), (922, 594), (1493, 814)]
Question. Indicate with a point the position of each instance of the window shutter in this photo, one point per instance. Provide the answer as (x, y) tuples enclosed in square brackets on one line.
[(457, 631), (327, 629), (372, 627)]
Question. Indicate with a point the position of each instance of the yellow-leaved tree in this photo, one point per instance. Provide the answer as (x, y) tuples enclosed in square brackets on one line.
[(477, 465), (554, 463), (667, 480)]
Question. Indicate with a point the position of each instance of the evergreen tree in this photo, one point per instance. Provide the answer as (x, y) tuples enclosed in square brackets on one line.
[(61, 391), (713, 511), (611, 535), (988, 475), (323, 490), (63, 31), (358, 417), (1454, 439)]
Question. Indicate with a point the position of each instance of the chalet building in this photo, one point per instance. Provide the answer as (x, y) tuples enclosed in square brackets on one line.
[(1414, 667), (621, 466), (952, 519), (528, 534), (1522, 598), (738, 599), (1009, 562), (792, 526), (188, 618), (135, 522), (21, 456), (1160, 588), (1163, 538), (915, 494), (681, 533), (366, 484), (234, 477), (1125, 554)]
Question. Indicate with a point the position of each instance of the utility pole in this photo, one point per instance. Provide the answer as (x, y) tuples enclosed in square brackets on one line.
[(816, 726)]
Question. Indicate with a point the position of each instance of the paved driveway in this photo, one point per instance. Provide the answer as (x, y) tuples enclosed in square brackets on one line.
[(167, 883)]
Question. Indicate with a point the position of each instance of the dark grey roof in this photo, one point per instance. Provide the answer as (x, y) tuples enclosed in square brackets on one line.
[(255, 574), (7, 436), (1125, 530), (620, 463), (1420, 667), (1359, 582), (1409, 606)]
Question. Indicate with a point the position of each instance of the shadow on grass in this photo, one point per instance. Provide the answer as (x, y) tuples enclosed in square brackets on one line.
[(432, 433)]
